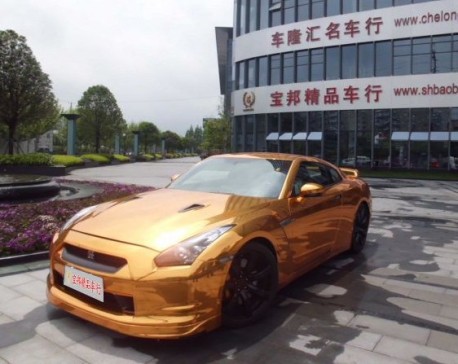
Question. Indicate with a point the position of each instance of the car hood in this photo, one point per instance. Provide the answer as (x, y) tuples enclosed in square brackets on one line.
[(162, 218)]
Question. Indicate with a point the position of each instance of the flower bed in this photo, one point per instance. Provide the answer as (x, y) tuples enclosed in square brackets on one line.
[(29, 227)]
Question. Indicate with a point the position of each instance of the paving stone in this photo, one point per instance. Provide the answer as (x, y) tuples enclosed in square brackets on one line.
[(444, 341), (414, 352), (413, 285), (35, 289), (442, 299), (356, 355), (66, 331), (388, 327), (449, 311), (365, 340), (7, 295), (19, 307), (416, 305), (41, 274), (37, 350), (446, 321), (15, 279), (101, 349)]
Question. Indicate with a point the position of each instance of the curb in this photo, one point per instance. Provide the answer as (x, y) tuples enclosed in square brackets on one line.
[(24, 258)]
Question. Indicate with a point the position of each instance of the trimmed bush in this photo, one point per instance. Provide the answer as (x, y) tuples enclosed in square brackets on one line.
[(120, 158), (67, 160), (101, 159), (32, 159)]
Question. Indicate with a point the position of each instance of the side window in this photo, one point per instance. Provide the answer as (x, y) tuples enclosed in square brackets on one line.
[(317, 173)]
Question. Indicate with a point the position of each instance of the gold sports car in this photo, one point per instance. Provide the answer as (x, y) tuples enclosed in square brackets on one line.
[(212, 248)]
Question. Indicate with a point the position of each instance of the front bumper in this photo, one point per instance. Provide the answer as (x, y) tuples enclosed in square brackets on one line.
[(159, 327), (139, 300)]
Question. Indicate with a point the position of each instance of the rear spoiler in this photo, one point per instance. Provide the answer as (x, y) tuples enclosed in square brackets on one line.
[(350, 173)]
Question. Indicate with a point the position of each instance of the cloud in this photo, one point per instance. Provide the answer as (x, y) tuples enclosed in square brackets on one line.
[(158, 57)]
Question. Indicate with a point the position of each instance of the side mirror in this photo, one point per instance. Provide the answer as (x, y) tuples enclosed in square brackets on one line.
[(174, 177), (311, 189)]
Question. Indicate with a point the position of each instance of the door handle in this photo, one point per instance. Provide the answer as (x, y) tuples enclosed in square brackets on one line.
[(338, 197)]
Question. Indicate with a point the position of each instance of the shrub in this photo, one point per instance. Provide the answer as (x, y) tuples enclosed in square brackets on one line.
[(67, 160), (144, 157), (32, 159), (158, 156), (96, 158), (120, 158)]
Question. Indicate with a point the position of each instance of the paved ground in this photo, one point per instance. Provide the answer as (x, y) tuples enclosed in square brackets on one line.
[(395, 303)]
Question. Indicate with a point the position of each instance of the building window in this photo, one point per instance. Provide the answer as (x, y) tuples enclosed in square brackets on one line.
[(440, 119), (383, 3), (260, 133), (421, 55), (253, 18), (303, 10), (263, 71), (302, 66), (441, 54), (401, 57), (401, 120), (383, 58), (366, 5), (382, 119), (333, 7), (349, 61), (275, 68), (347, 138), (317, 9), (263, 14), (275, 13), (249, 133), (331, 128), (366, 60), (349, 6), (241, 17), (240, 75), (316, 64), (420, 119), (332, 63), (288, 67), (289, 15), (251, 73)]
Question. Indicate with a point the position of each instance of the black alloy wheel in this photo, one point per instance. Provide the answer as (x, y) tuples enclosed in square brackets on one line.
[(251, 286), (360, 228)]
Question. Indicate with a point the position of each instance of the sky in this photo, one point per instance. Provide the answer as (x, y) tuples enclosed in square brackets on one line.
[(157, 57)]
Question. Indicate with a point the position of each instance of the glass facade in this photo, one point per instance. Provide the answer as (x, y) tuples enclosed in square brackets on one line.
[(345, 128)]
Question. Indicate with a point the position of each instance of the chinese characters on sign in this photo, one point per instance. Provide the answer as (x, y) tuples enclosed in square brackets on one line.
[(86, 283), (311, 96), (315, 33)]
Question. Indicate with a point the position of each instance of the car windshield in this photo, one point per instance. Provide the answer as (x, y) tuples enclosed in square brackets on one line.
[(254, 177)]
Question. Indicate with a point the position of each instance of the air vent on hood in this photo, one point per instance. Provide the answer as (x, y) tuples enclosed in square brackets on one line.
[(194, 206)]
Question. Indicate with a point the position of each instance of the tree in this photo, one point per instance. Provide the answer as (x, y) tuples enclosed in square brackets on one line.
[(149, 135), (217, 134), (173, 141), (28, 106), (101, 117), (193, 138)]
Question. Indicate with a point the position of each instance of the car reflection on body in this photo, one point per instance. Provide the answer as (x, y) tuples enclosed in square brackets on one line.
[(212, 248)]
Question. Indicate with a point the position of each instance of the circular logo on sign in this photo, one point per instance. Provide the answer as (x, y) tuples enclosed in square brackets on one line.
[(249, 99)]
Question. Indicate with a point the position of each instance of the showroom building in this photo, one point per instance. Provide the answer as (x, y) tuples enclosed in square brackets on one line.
[(371, 83)]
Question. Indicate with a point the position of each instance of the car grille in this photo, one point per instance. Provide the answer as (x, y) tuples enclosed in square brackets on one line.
[(92, 260), (111, 302)]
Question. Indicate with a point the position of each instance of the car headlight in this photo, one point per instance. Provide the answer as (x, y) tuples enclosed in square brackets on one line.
[(186, 252), (78, 216)]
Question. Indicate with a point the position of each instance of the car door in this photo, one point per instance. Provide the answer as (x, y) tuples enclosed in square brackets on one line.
[(314, 220)]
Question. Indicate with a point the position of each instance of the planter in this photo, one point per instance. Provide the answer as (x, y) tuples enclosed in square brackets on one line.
[(39, 170)]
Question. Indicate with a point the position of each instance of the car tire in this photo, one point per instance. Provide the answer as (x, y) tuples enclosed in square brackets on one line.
[(360, 229), (250, 287)]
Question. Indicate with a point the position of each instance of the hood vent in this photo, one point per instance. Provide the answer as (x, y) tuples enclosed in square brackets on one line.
[(194, 206)]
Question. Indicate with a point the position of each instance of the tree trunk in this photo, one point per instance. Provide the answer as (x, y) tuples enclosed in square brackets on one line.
[(11, 132)]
